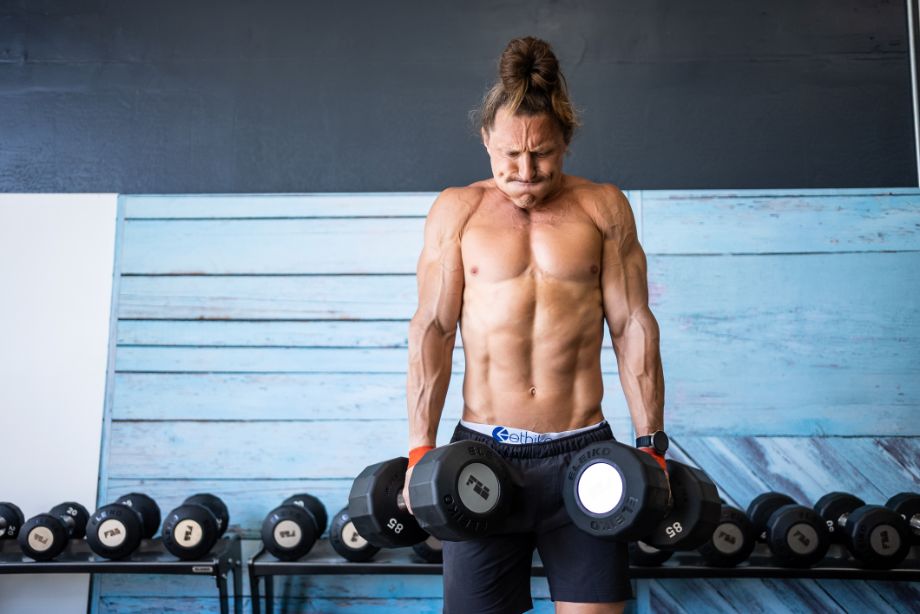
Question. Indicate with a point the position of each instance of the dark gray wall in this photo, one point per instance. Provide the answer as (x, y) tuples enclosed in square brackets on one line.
[(229, 96)]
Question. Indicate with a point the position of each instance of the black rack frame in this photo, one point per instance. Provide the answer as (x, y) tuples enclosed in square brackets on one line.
[(150, 558)]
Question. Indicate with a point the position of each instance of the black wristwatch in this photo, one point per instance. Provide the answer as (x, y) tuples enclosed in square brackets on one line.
[(657, 441)]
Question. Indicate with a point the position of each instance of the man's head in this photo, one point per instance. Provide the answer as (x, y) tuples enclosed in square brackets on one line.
[(527, 122)]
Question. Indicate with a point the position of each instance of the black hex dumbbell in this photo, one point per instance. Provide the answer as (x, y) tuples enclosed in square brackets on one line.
[(614, 491), (290, 530), (11, 520), (907, 504), (114, 531), (797, 535), (192, 529), (875, 535), (732, 540), (346, 540), (643, 555), (458, 491), (45, 536)]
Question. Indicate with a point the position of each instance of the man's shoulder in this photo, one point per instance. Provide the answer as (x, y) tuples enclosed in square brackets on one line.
[(601, 199), (454, 206)]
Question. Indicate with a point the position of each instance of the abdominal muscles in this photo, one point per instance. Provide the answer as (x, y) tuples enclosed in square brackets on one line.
[(532, 347)]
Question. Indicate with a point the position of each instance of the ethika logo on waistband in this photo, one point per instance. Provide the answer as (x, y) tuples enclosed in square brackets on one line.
[(503, 435)]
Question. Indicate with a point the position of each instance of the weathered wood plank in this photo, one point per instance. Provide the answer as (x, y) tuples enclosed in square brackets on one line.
[(256, 450), (297, 246), (326, 396), (682, 223), (282, 360), (808, 467), (327, 297), (254, 206), (769, 344), (355, 334), (223, 333)]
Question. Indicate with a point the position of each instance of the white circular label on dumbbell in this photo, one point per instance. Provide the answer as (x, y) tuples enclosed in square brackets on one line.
[(802, 538), (40, 539), (112, 533), (287, 534), (728, 538), (600, 488), (187, 533), (885, 540), (478, 488), (351, 538)]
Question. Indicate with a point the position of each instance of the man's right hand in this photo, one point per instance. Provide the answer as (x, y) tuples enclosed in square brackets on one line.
[(415, 455), (405, 492)]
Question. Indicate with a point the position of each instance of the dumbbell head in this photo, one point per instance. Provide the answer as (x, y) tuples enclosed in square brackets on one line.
[(431, 550), (643, 555), (314, 506), (907, 504), (217, 507), (290, 530), (834, 508), (762, 506), (797, 536), (11, 520), (192, 529), (460, 491), (614, 491), (45, 536), (376, 508), (877, 536), (147, 508), (115, 531), (346, 540), (694, 510), (732, 540)]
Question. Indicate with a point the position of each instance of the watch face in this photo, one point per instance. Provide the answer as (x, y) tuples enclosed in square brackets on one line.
[(660, 441)]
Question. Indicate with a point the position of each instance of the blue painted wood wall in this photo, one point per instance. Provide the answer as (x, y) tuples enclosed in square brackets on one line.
[(260, 350)]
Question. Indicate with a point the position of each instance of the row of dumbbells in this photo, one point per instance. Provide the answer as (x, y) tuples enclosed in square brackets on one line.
[(290, 530), (876, 536), (115, 531)]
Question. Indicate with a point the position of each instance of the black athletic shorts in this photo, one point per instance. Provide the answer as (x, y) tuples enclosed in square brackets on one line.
[(492, 574)]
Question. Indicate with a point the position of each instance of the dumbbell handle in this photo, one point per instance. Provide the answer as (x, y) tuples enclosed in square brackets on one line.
[(914, 522), (401, 502)]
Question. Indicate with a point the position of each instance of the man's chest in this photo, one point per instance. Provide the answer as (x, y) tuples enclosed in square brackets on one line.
[(495, 250)]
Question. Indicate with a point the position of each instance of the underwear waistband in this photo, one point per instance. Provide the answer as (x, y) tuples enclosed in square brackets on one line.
[(528, 444)]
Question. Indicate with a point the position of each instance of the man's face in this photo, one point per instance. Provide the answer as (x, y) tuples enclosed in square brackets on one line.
[(526, 154)]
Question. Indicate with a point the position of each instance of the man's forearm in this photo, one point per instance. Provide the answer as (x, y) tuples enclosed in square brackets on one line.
[(641, 374), (430, 361)]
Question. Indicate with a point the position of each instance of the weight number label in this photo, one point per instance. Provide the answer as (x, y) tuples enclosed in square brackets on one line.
[(395, 526)]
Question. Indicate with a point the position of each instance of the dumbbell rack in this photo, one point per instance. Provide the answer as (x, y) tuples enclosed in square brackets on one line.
[(150, 558), (323, 560)]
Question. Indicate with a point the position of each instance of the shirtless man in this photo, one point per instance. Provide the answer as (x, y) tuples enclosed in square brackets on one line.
[(530, 263)]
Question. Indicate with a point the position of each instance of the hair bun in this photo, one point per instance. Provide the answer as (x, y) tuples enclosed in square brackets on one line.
[(527, 64)]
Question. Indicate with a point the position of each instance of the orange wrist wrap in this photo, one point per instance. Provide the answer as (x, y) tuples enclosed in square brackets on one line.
[(416, 454), (659, 458)]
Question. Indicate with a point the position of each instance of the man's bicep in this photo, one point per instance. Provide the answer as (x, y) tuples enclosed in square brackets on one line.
[(440, 269), (624, 282)]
